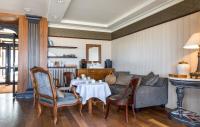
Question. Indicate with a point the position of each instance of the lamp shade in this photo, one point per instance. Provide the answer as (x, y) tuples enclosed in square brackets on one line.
[(193, 42)]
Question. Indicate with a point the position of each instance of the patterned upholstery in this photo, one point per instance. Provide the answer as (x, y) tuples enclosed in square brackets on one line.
[(43, 84), (67, 100)]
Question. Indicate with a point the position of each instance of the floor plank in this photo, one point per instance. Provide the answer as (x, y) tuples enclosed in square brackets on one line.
[(21, 113)]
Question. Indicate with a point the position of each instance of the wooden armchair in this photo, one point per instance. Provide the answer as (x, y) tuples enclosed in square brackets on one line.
[(67, 77), (46, 94), (124, 100)]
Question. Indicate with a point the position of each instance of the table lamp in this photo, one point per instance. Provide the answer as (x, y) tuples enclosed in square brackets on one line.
[(194, 43)]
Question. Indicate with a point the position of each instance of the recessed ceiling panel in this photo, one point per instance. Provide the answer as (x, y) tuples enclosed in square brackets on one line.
[(100, 11)]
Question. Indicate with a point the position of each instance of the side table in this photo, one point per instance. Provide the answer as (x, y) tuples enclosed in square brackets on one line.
[(179, 114)]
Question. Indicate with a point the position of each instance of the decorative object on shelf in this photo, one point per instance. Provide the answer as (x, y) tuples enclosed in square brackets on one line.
[(179, 114), (50, 42), (69, 47), (60, 57), (69, 56), (183, 68), (108, 63), (83, 63), (95, 65), (194, 43), (56, 64)]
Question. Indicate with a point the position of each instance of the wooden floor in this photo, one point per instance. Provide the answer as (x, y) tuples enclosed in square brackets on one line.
[(21, 113)]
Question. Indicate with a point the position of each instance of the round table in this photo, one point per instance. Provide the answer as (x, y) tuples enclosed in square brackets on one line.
[(88, 90)]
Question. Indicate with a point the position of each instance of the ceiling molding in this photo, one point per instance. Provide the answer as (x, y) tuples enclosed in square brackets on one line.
[(182, 9), (125, 20), (179, 10), (131, 12), (73, 22), (77, 27), (148, 13)]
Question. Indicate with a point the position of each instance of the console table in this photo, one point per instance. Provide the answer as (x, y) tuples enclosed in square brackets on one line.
[(188, 118)]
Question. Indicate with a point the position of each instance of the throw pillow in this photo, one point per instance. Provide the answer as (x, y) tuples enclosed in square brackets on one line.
[(110, 79), (123, 79), (147, 77), (152, 81)]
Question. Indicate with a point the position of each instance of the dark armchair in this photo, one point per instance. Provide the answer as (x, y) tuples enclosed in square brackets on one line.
[(124, 99)]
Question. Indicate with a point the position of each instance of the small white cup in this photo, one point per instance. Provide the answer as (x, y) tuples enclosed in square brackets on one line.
[(93, 81), (100, 81), (82, 75)]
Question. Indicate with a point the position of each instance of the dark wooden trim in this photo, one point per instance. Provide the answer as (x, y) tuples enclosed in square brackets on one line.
[(43, 24), (68, 47), (182, 9), (80, 34), (61, 57), (7, 18), (23, 54), (63, 67)]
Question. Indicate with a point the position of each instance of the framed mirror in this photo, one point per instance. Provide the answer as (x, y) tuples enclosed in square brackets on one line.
[(93, 53)]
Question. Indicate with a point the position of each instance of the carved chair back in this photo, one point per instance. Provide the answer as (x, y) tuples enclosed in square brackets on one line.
[(43, 83)]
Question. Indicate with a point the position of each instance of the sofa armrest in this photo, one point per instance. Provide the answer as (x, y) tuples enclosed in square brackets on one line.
[(150, 96)]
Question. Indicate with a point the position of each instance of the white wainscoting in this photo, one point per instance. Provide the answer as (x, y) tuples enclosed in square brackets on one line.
[(159, 49)]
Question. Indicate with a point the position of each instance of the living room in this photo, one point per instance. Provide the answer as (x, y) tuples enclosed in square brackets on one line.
[(94, 63)]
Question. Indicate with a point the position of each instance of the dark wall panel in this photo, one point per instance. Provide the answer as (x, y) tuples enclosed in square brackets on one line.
[(60, 32)]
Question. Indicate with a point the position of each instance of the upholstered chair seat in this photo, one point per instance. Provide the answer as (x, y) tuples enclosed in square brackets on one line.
[(69, 99)]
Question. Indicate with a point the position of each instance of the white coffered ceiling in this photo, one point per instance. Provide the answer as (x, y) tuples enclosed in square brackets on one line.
[(94, 15)]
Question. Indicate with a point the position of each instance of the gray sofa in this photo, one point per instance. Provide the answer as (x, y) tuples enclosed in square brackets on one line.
[(146, 95)]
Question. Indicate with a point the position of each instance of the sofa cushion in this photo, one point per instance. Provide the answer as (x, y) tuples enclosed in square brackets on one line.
[(147, 77), (152, 81), (123, 78)]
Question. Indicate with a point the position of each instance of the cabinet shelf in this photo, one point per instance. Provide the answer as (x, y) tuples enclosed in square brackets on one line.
[(69, 47), (61, 57)]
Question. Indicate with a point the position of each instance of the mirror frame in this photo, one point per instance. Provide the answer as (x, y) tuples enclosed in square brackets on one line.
[(87, 52)]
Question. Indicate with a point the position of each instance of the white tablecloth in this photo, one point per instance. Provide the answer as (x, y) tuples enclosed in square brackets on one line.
[(89, 90)]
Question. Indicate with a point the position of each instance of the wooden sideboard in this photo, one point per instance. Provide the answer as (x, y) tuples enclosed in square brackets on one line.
[(97, 74)]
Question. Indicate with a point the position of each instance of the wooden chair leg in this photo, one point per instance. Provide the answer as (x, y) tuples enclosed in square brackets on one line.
[(80, 108), (39, 109), (34, 97), (103, 107), (126, 113), (118, 109), (107, 110), (133, 110), (55, 110)]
